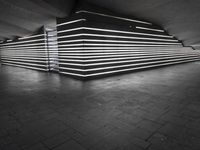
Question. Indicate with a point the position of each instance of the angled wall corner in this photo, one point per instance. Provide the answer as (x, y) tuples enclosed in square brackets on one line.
[(99, 43)]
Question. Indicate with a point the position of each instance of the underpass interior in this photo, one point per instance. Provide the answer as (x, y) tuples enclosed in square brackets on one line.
[(99, 75)]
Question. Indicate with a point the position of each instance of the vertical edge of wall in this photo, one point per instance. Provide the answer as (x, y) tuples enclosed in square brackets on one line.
[(70, 46)]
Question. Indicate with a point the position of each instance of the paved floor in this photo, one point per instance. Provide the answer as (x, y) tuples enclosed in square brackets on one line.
[(148, 110)]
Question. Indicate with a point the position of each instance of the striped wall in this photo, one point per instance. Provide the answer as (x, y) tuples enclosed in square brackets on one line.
[(27, 52), (93, 44)]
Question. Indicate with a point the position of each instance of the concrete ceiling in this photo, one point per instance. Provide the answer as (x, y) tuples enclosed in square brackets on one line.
[(24, 17), (180, 18)]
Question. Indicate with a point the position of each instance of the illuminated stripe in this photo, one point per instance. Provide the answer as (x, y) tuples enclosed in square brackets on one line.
[(23, 45), (126, 61), (105, 54), (28, 57), (143, 28), (26, 49), (24, 55), (139, 53), (164, 63), (103, 49), (10, 64), (33, 36), (115, 45), (114, 31), (70, 22), (73, 74), (123, 58), (121, 18), (112, 51), (114, 36), (26, 60), (23, 42), (116, 41), (31, 64), (120, 66), (113, 56)]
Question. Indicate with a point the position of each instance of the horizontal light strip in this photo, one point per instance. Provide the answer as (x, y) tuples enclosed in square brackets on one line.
[(103, 49), (115, 45), (113, 56), (114, 31), (70, 41), (121, 18), (143, 67), (73, 74), (114, 36), (31, 64), (24, 60), (143, 28), (126, 61), (30, 55), (122, 58), (17, 57), (23, 45), (107, 54), (138, 54), (130, 49), (128, 65), (24, 55), (33, 36), (10, 64), (164, 63), (23, 49), (149, 63), (19, 42), (70, 22), (27, 50), (116, 41)]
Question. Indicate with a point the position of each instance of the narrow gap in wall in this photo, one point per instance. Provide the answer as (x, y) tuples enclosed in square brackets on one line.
[(52, 48)]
